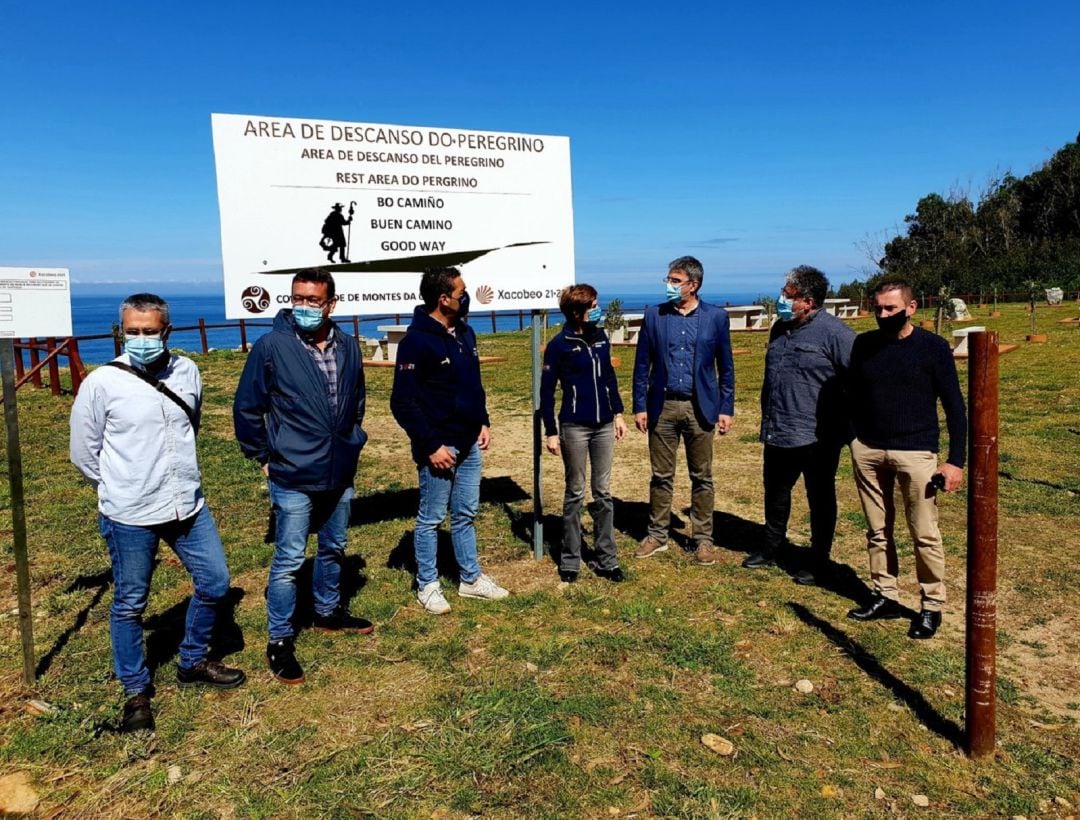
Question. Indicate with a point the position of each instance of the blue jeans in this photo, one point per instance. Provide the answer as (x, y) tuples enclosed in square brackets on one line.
[(296, 514), (132, 549), (579, 441), (459, 490)]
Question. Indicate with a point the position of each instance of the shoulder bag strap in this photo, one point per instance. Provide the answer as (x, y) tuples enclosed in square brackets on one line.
[(161, 387)]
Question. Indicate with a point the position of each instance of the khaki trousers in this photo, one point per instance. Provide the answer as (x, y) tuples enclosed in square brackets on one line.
[(877, 472), (678, 422)]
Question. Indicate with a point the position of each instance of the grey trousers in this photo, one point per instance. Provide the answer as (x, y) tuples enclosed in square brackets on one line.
[(679, 422), (578, 442)]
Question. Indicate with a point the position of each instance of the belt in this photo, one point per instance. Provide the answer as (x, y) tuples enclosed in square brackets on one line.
[(671, 395)]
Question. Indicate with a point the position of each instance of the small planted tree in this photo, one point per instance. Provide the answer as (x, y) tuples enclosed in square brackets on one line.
[(614, 321), (1034, 288)]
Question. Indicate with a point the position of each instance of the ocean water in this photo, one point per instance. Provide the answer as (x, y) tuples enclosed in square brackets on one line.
[(94, 313)]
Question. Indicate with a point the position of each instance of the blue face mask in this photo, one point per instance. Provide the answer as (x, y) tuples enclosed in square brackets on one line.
[(308, 318), (144, 349), (673, 293), (594, 316), (785, 308)]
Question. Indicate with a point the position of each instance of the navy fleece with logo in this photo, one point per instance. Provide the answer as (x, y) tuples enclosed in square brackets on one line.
[(438, 397), (581, 363)]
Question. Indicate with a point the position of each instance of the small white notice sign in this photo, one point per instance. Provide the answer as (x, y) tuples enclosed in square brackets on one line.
[(35, 302)]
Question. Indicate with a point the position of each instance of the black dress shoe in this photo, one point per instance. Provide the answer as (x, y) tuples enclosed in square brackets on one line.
[(138, 716), (209, 673), (281, 655), (615, 575), (341, 621), (805, 578), (926, 625), (757, 560), (567, 576), (879, 608)]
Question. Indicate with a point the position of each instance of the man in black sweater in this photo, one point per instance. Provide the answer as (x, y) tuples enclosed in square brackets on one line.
[(898, 374)]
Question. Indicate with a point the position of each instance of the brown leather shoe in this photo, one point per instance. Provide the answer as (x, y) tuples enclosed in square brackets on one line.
[(705, 554), (649, 546)]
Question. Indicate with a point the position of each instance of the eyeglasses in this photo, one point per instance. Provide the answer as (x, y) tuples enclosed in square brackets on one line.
[(310, 301), (667, 280), (142, 331)]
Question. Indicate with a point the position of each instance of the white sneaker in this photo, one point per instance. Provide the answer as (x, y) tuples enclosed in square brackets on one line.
[(432, 600), (482, 587)]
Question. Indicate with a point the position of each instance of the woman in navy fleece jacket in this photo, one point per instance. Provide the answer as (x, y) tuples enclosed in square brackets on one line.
[(590, 422)]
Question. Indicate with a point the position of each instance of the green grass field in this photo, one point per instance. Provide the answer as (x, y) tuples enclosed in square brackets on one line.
[(563, 701)]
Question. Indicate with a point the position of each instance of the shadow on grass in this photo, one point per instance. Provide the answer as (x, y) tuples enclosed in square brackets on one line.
[(100, 582), (165, 631), (915, 701), (392, 505)]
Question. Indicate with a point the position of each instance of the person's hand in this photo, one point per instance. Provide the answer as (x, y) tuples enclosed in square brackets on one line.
[(954, 477), (641, 421), (443, 458), (724, 424), (552, 443), (484, 439), (620, 428), (266, 469)]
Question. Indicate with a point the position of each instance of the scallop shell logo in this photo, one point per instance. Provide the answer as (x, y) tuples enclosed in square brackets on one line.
[(484, 295), (255, 299)]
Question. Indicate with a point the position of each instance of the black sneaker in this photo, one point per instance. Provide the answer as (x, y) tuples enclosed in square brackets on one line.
[(138, 716), (210, 673), (341, 621), (615, 575), (757, 560), (568, 576), (281, 656)]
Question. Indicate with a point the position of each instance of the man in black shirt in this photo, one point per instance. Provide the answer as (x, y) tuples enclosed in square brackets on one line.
[(898, 374)]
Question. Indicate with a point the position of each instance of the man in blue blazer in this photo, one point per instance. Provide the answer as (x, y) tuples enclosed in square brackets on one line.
[(684, 388)]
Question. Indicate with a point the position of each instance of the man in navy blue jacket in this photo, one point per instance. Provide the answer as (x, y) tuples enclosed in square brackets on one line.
[(684, 388), (439, 400), (298, 412)]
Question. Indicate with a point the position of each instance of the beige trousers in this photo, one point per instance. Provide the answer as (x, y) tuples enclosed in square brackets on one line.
[(877, 472)]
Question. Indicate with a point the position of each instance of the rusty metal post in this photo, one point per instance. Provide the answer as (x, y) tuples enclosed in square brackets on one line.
[(202, 335), (492, 321), (356, 327), (243, 336), (18, 361), (982, 538), (18, 509)]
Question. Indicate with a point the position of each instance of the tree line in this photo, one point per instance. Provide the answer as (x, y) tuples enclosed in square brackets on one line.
[(1021, 233)]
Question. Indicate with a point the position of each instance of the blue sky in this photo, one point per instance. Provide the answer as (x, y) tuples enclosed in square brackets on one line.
[(756, 136)]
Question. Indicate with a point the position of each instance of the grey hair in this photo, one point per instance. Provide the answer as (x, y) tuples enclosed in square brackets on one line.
[(145, 301), (809, 282), (691, 267)]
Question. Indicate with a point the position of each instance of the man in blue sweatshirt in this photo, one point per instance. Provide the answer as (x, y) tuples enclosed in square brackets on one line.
[(298, 413), (898, 374), (439, 401)]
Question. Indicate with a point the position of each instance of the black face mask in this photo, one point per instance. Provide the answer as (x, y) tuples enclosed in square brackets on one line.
[(463, 305), (892, 324)]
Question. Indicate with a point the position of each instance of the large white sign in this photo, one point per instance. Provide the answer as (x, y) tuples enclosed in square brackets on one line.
[(377, 204), (34, 302)]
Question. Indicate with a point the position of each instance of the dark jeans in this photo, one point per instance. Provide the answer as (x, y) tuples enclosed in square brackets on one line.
[(577, 442), (817, 464), (296, 514), (679, 422), (132, 549)]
